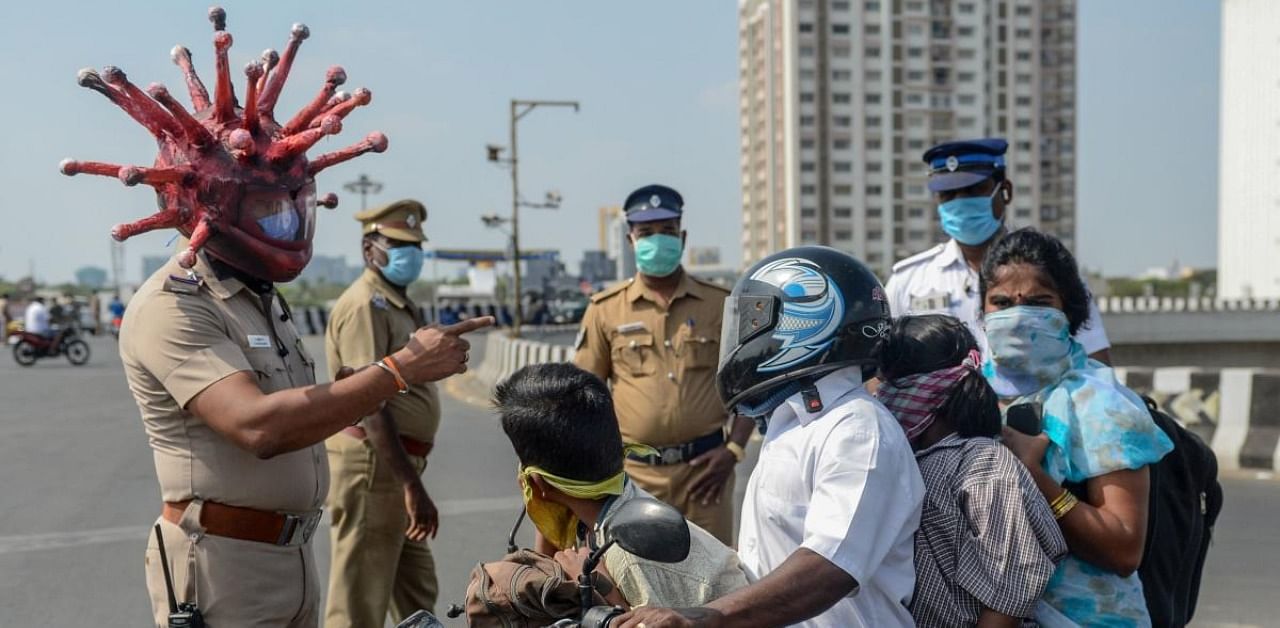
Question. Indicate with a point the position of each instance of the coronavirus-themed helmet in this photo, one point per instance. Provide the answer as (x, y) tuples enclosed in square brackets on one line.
[(229, 177), (792, 318)]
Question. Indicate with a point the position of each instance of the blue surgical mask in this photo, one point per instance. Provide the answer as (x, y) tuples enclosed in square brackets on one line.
[(282, 225), (404, 264), (970, 220), (658, 255), (1029, 348)]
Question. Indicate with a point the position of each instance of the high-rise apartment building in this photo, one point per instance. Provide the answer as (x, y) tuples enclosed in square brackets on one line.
[(840, 98), (1249, 151)]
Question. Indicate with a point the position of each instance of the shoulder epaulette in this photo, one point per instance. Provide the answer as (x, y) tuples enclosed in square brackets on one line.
[(611, 290), (182, 285), (919, 257)]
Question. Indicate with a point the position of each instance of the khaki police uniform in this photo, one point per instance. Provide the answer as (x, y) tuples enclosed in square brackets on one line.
[(183, 332), (661, 362), (940, 281), (375, 568)]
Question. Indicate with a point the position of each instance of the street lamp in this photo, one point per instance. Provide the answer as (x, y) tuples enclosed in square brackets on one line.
[(363, 186), (520, 109)]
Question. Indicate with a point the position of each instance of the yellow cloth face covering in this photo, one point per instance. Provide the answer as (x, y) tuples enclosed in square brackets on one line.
[(556, 522)]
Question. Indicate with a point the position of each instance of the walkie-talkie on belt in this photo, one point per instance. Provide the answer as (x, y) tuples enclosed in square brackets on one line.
[(186, 614)]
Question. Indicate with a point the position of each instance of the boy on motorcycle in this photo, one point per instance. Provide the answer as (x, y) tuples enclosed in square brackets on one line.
[(561, 422)]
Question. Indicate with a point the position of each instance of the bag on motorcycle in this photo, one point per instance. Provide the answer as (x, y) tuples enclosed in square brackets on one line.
[(524, 590)]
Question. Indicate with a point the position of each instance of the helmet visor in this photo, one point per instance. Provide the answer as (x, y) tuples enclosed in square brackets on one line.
[(746, 317), (279, 215)]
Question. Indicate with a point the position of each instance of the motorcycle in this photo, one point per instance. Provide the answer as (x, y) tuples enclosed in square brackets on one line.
[(28, 347), (647, 528)]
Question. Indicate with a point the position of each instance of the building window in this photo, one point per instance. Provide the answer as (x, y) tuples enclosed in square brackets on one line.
[(915, 99), (966, 122), (872, 29), (915, 144), (843, 189), (806, 96), (843, 234), (873, 167), (965, 8), (1022, 33), (1023, 79), (966, 99), (874, 212), (915, 235), (808, 142), (808, 74), (1023, 55), (808, 236), (808, 189), (915, 53), (1023, 10), (806, 120), (915, 189), (1024, 168), (873, 143), (966, 53), (840, 29), (965, 77), (1023, 101), (915, 121), (872, 98), (840, 144), (915, 76), (806, 27), (841, 51), (1023, 123), (915, 7), (839, 5), (873, 121), (916, 212), (841, 98), (915, 29), (807, 51), (873, 52), (841, 75), (842, 121), (964, 31), (872, 5), (807, 166), (873, 190), (842, 166), (808, 212), (1024, 213), (842, 212), (875, 234)]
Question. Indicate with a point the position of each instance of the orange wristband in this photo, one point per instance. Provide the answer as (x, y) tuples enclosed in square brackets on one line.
[(389, 365)]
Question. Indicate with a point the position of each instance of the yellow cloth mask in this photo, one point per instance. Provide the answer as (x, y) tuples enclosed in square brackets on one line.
[(556, 522)]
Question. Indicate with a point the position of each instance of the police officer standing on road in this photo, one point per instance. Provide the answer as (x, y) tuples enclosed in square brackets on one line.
[(381, 513), (656, 339), (973, 194)]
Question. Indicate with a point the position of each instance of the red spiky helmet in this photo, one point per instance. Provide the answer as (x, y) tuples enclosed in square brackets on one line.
[(232, 179)]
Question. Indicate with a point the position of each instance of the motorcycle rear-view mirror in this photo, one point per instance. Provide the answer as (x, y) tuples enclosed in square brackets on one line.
[(420, 619), (649, 529)]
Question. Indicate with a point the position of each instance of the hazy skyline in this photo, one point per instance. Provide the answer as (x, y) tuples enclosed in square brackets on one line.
[(658, 85)]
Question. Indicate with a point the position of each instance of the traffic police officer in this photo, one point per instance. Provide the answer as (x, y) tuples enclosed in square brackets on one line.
[(235, 419), (655, 338), (381, 513), (968, 181)]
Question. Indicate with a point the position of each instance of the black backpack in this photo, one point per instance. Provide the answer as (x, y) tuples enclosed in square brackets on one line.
[(1185, 500)]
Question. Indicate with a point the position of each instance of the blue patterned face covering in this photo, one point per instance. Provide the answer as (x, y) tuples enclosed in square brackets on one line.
[(1029, 348)]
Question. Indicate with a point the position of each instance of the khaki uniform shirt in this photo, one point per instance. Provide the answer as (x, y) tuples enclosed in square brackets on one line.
[(370, 321), (660, 360), (184, 333)]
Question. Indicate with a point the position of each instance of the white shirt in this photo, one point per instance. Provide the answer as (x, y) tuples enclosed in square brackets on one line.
[(37, 318), (844, 484), (939, 281)]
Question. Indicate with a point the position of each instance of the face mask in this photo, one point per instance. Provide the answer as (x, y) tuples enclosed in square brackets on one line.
[(404, 264), (971, 220), (556, 522), (1030, 348), (282, 225), (658, 255)]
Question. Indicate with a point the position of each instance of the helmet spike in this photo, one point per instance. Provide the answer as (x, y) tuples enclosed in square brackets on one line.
[(341, 109), (375, 142), (335, 77), (253, 72), (195, 132), (199, 95), (298, 143), (145, 110), (164, 219), (224, 95), (267, 102)]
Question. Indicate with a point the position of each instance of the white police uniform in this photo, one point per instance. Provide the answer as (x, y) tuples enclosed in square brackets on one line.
[(940, 281)]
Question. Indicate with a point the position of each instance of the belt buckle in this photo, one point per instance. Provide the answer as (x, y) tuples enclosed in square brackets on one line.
[(298, 529), (672, 455)]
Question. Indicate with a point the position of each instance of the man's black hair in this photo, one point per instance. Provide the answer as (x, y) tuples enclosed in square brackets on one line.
[(932, 342), (1043, 251), (560, 418)]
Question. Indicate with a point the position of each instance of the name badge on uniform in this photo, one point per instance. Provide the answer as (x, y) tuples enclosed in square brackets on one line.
[(933, 302), (379, 301), (627, 328), (258, 341)]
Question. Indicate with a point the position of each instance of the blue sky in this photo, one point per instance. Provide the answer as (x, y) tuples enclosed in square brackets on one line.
[(657, 81)]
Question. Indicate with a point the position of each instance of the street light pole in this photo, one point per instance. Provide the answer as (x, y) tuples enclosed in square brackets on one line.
[(519, 109), (363, 186)]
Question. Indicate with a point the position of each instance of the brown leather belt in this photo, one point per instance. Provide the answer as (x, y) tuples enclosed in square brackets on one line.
[(248, 524), (412, 446)]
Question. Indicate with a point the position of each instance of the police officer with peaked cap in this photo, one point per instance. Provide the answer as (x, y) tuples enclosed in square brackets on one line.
[(655, 338), (381, 513), (968, 181)]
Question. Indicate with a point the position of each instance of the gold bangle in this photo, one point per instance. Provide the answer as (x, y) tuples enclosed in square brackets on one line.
[(388, 365), (1059, 500), (1065, 507), (738, 452)]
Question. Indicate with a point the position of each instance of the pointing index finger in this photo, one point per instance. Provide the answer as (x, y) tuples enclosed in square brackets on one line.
[(469, 325)]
